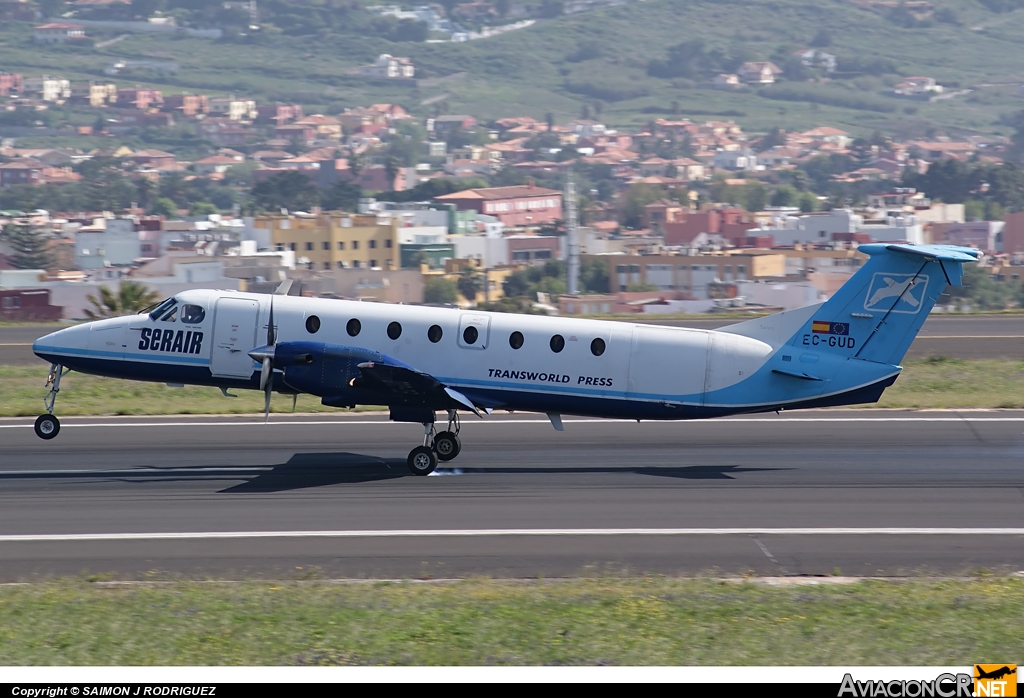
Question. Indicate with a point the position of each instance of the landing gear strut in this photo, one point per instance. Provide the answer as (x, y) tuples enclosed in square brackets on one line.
[(47, 426), (447, 444), (422, 460)]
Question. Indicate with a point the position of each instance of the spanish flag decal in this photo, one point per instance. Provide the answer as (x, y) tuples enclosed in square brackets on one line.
[(823, 327)]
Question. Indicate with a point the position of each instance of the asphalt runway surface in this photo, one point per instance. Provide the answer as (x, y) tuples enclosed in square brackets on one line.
[(801, 493), (956, 336)]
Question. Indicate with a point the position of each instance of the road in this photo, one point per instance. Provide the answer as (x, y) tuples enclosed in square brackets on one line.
[(957, 336), (801, 493)]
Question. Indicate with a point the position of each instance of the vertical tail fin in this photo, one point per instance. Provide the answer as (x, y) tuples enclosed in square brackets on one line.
[(877, 313)]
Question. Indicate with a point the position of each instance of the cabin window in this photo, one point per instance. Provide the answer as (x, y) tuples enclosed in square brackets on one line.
[(435, 333), (192, 314), (470, 335), (557, 343), (162, 308), (312, 324), (394, 330), (597, 347), (170, 316), (353, 327), (515, 340)]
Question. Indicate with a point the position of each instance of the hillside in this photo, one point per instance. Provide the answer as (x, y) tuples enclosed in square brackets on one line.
[(602, 59)]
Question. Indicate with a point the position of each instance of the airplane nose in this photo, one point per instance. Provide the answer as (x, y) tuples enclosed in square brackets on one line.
[(54, 346)]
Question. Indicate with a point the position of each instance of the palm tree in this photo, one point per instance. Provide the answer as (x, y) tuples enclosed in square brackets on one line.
[(470, 284), (131, 298)]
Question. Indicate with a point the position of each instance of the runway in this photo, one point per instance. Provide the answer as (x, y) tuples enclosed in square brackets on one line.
[(957, 336), (801, 493)]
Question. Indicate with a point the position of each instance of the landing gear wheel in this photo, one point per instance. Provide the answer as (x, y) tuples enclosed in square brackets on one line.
[(447, 445), (47, 426), (422, 460)]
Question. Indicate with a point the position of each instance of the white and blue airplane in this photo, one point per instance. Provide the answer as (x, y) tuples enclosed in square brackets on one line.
[(419, 361)]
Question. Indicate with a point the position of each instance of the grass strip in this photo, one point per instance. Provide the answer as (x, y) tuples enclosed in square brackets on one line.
[(937, 382), (633, 621)]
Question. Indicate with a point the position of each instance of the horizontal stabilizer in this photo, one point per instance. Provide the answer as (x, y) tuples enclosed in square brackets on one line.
[(796, 374)]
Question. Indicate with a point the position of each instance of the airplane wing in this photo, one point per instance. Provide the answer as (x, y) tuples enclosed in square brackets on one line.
[(342, 375)]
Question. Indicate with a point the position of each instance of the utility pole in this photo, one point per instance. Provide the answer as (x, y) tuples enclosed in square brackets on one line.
[(573, 235)]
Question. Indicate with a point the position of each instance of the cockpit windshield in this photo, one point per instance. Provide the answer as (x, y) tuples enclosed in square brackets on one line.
[(163, 309)]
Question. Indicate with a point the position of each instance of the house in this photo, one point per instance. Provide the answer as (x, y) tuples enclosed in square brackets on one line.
[(139, 98), (391, 112), (443, 126), (813, 58), (324, 127), (388, 66), (779, 156), (271, 157), (278, 114), (828, 134), (689, 170), (741, 159), (233, 109), (726, 81), (513, 206), (758, 72), (11, 83), (187, 104), (224, 132), (57, 33), (214, 164), (295, 133), (95, 94), (654, 166), (151, 158), (20, 171), (48, 89), (917, 86)]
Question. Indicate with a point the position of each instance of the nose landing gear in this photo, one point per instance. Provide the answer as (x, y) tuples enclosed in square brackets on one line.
[(47, 425)]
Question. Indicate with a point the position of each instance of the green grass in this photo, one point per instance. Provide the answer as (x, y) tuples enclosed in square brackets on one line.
[(937, 382), (531, 71), (643, 621)]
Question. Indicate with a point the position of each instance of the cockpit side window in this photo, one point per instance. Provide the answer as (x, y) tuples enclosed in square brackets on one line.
[(171, 315), (162, 309), (192, 314)]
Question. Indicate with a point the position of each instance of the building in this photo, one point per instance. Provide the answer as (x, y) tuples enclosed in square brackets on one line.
[(48, 89), (28, 305), (58, 33), (388, 66), (114, 242), (841, 225), (224, 132), (187, 104), (139, 98), (278, 114), (758, 73), (333, 240), (515, 206), (21, 171), (1013, 233), (324, 127), (689, 273), (11, 83), (233, 109)]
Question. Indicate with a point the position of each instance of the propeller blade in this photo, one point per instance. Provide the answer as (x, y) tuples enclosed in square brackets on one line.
[(266, 404), (295, 397), (271, 331), (267, 373)]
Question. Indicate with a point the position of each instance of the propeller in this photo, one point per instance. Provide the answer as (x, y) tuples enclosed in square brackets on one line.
[(265, 355)]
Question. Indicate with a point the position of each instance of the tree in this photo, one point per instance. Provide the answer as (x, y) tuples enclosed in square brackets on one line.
[(755, 196), (290, 190), (784, 196), (391, 167), (516, 284), (470, 284), (636, 197), (202, 208), (439, 290), (594, 276), (164, 207), (29, 246), (131, 298), (341, 196), (808, 202)]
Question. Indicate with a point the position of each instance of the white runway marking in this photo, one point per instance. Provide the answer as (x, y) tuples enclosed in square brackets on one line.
[(509, 422), (511, 532)]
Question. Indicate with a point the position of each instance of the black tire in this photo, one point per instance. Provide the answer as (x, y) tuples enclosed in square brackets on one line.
[(422, 460), (447, 445), (47, 426)]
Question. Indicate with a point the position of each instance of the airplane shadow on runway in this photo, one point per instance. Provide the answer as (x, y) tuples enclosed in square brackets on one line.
[(306, 470)]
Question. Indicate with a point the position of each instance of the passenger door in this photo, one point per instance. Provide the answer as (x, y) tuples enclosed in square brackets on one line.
[(234, 336)]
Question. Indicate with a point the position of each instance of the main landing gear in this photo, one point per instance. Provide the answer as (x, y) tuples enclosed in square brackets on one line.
[(47, 425), (436, 446)]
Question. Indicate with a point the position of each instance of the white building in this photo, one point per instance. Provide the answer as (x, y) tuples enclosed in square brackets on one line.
[(234, 109), (388, 66), (819, 228), (57, 33), (108, 242), (49, 89)]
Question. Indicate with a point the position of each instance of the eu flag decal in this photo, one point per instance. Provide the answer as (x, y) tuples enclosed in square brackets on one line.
[(823, 327)]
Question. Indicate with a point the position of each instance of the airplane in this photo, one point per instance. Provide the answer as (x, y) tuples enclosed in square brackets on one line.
[(995, 674), (421, 360)]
